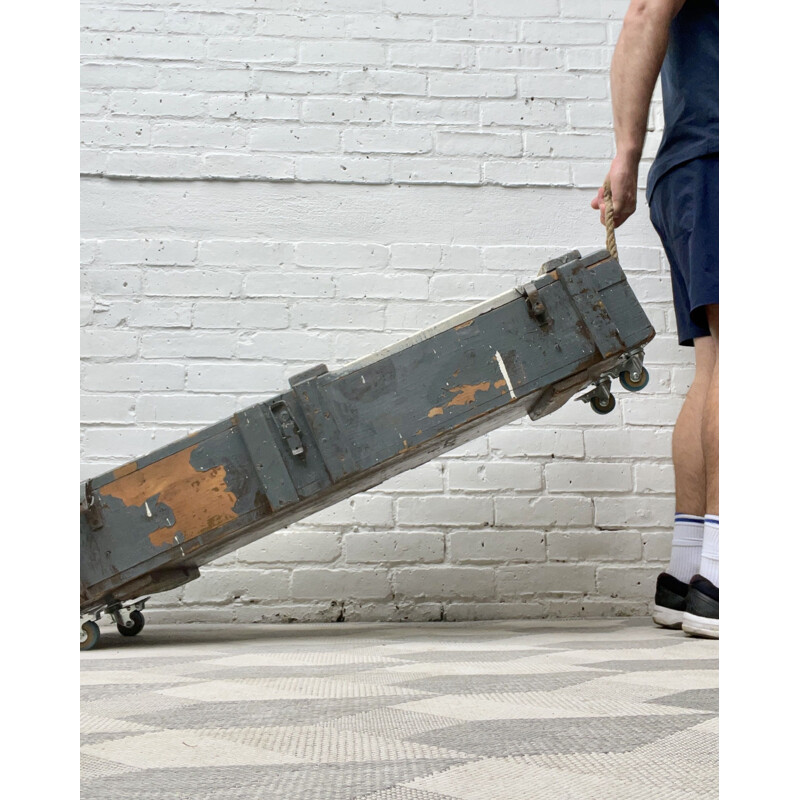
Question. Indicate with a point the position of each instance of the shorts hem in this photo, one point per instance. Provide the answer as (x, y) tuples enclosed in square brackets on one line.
[(689, 340)]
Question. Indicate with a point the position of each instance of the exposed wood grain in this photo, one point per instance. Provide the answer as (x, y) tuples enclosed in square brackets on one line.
[(199, 500), (463, 396)]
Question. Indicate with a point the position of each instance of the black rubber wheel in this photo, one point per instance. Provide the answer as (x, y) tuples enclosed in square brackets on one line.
[(603, 407), (632, 385), (90, 635), (137, 618)]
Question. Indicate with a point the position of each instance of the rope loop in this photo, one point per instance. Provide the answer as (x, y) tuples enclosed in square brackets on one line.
[(611, 239)]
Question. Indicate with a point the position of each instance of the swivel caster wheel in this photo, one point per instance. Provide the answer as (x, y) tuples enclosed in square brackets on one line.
[(135, 625), (635, 385), (602, 405), (90, 635)]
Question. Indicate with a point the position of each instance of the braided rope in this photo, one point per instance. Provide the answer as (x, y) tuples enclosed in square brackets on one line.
[(611, 239)]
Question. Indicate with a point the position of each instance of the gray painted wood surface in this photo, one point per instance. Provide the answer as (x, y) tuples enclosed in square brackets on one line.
[(335, 434)]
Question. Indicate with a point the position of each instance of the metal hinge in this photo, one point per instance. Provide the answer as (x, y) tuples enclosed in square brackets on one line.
[(289, 429), (536, 308), (90, 507)]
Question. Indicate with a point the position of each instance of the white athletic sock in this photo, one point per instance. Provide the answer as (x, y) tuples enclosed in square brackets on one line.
[(709, 562), (687, 544)]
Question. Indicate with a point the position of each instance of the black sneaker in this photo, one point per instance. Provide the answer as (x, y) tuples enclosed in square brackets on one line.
[(702, 608), (670, 602)]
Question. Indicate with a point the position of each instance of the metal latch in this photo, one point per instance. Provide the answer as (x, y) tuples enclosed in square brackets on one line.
[(536, 308), (289, 429), (90, 507)]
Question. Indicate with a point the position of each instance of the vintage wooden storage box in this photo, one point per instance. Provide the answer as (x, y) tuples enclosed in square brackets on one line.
[(149, 525)]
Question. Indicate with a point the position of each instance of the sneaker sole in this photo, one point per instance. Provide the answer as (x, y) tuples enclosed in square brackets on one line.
[(667, 617), (701, 626)]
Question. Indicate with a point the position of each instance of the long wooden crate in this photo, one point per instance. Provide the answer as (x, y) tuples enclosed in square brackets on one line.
[(149, 525)]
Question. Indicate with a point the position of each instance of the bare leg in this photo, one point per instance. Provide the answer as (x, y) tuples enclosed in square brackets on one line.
[(690, 491), (710, 431), (687, 439), (701, 617)]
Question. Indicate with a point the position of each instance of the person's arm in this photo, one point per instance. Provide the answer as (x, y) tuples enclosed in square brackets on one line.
[(637, 60)]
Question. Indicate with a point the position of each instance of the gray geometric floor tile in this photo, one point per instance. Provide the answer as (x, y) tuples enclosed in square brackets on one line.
[(101, 723), (568, 627), (156, 664), (610, 644), (124, 706), (96, 738), (485, 684), (304, 782), (118, 692), (681, 765), (389, 677), (165, 784), (220, 673), (343, 782), (513, 710), (481, 657), (697, 746), (642, 666), (260, 713), (93, 768), (313, 744), (404, 793), (699, 699), (392, 722), (292, 688), (530, 779), (180, 749), (127, 706), (517, 737)]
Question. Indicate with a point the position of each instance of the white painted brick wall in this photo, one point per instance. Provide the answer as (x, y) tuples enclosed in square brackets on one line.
[(298, 181)]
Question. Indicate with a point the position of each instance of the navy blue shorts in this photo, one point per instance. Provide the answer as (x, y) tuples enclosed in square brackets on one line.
[(684, 209)]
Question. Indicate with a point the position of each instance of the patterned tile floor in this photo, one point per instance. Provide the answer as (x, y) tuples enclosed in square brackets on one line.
[(590, 710)]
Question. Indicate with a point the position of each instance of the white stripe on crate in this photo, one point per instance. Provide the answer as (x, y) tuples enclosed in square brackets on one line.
[(504, 371)]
